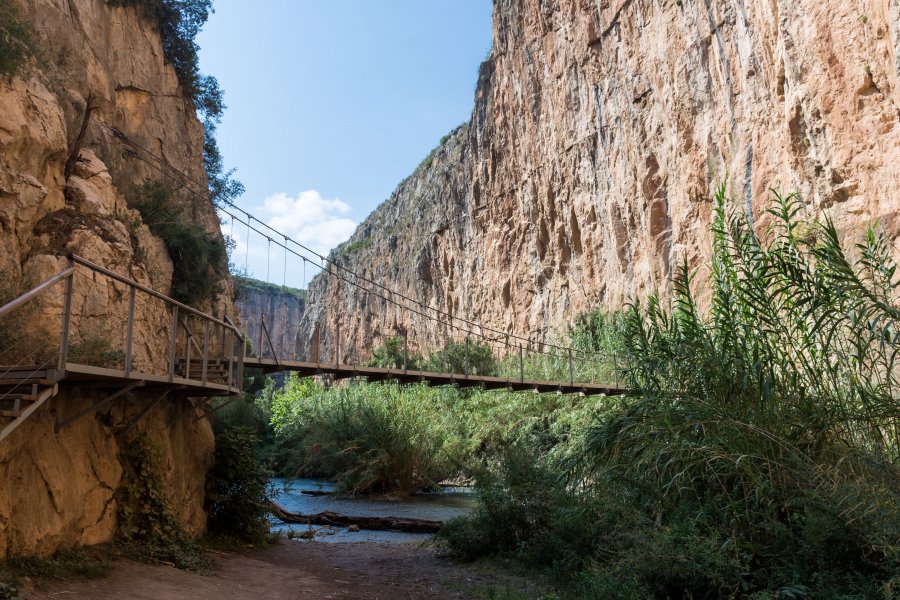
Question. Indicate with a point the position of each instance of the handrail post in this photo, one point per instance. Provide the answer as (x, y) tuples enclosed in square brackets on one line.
[(129, 336), (616, 369), (571, 378), (262, 324), (337, 344), (241, 356), (204, 372), (521, 365), (66, 318), (231, 355), (467, 356), (188, 339), (405, 349), (173, 343)]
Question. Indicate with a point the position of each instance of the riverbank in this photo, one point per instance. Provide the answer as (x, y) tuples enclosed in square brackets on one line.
[(295, 569)]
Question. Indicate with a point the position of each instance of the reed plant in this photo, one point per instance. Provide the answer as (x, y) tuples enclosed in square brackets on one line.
[(370, 438), (758, 455)]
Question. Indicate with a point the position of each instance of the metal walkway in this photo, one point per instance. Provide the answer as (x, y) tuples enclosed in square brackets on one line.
[(191, 354), (343, 371), (196, 355)]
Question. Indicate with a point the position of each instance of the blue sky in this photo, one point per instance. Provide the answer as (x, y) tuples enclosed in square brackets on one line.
[(331, 103)]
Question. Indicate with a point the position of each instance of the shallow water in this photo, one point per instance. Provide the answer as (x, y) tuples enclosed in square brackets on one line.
[(454, 502)]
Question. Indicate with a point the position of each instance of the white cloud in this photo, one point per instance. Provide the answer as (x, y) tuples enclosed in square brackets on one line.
[(316, 222), (309, 218)]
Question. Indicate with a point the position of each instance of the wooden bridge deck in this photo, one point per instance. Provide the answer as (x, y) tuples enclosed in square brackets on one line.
[(343, 371), (78, 375)]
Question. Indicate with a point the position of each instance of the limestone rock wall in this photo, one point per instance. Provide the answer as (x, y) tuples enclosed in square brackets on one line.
[(601, 129), (59, 488), (282, 309)]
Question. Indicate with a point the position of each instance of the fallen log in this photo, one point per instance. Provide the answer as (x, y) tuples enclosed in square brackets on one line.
[(372, 523), (316, 493)]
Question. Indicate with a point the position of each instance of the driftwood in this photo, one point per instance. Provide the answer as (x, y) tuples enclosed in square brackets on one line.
[(316, 493), (373, 523)]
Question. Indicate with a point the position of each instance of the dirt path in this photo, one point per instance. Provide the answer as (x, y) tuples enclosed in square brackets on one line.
[(293, 569)]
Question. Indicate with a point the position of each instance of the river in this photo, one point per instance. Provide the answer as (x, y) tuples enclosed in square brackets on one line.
[(453, 502)]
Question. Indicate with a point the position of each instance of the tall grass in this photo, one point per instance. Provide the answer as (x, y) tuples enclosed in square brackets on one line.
[(758, 456), (370, 438)]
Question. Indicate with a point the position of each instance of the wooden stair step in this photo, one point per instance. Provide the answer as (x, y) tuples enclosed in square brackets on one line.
[(15, 414)]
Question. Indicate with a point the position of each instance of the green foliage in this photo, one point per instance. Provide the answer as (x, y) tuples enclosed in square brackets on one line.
[(148, 527), (199, 257), (94, 348), (452, 359), (373, 439), (599, 331), (390, 355), (245, 285), (16, 43), (23, 334), (179, 22), (237, 491), (758, 456), (75, 563), (9, 591), (223, 187)]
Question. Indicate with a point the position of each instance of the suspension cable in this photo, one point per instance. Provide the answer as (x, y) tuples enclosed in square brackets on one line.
[(164, 166)]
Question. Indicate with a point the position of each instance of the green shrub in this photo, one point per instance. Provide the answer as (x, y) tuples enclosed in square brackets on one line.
[(452, 359), (9, 591), (95, 348), (148, 527), (199, 257), (16, 43), (372, 439), (75, 563), (24, 338), (598, 331), (390, 355), (179, 22), (757, 456), (237, 490)]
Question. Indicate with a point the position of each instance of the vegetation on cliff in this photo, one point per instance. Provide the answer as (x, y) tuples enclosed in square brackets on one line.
[(16, 43), (179, 22), (244, 285), (200, 258)]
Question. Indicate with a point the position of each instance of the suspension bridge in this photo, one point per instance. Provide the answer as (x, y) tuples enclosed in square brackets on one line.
[(88, 327)]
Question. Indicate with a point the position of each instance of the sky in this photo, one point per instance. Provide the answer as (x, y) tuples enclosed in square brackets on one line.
[(331, 103)]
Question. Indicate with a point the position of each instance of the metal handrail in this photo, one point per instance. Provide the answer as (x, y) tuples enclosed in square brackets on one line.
[(27, 296), (181, 307)]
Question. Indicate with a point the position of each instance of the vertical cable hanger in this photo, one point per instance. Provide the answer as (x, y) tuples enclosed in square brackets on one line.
[(247, 254), (284, 274), (268, 257)]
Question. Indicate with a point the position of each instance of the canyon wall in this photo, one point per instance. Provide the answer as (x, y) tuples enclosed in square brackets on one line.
[(600, 130), (282, 309), (63, 181)]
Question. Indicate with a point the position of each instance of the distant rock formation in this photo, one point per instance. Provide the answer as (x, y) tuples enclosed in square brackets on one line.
[(282, 309)]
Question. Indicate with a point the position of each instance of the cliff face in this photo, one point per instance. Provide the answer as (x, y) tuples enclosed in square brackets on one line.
[(60, 487), (282, 309), (600, 130)]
